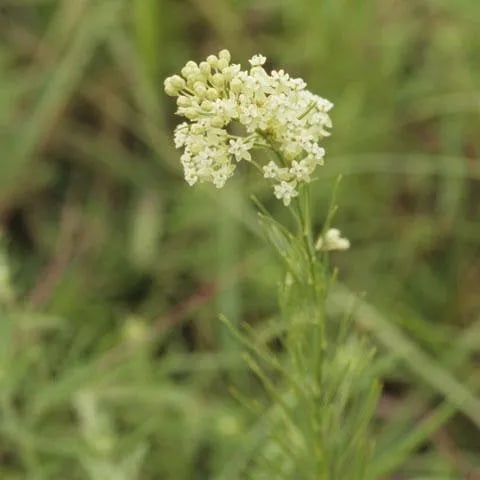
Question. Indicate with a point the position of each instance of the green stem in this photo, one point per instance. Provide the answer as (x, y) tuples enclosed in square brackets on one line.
[(314, 306), (310, 335), (314, 281)]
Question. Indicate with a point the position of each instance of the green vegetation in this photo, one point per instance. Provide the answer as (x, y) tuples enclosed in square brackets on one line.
[(114, 363)]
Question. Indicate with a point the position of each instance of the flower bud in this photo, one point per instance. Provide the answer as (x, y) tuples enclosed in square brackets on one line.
[(191, 64), (200, 89), (212, 94), (186, 71), (178, 82), (197, 129), (191, 68), (212, 61), (205, 68), (191, 113), (222, 64), (194, 78), (183, 101), (207, 105), (170, 91), (236, 85), (218, 80), (228, 73), (171, 85), (225, 55)]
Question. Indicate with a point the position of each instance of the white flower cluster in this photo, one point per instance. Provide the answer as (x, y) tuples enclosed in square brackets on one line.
[(332, 240), (272, 111)]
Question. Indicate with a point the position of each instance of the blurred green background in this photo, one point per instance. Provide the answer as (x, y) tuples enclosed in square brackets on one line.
[(113, 363)]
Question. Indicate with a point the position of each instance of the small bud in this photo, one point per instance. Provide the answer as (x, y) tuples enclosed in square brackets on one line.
[(178, 82), (222, 64), (183, 101), (186, 72), (171, 86), (212, 61), (205, 68), (170, 91), (191, 113), (225, 55), (212, 94), (200, 89), (207, 105), (191, 68), (218, 80), (236, 85), (228, 73), (195, 77)]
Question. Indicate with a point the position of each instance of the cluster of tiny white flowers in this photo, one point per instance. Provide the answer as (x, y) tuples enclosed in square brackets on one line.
[(273, 111), (332, 240)]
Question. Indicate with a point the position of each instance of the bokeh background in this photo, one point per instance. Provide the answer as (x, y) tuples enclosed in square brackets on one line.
[(113, 363)]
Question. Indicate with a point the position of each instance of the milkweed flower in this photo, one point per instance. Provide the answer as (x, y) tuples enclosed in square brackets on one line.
[(273, 110)]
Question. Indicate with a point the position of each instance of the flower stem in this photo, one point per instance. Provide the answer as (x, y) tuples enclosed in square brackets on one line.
[(313, 333)]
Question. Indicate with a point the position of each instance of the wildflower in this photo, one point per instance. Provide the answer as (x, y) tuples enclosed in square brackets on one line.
[(275, 110), (239, 148), (332, 240), (302, 170), (271, 170), (285, 191), (315, 152)]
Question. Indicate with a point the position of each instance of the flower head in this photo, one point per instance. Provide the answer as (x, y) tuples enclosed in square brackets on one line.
[(274, 110)]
